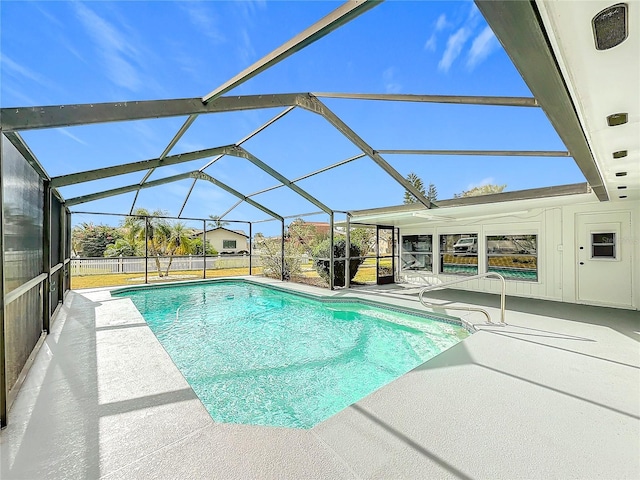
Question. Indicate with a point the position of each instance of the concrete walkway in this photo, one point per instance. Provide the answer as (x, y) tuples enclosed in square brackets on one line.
[(554, 394)]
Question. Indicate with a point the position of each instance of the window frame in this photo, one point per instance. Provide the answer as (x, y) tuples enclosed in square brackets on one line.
[(441, 253), (614, 244), (224, 244), (427, 253), (488, 255)]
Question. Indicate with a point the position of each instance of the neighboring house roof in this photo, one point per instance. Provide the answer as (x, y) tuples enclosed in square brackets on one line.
[(238, 232), (321, 227)]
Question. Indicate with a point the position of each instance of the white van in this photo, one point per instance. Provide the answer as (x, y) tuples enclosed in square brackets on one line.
[(466, 246)]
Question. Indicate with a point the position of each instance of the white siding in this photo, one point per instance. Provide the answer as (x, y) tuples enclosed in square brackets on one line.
[(555, 229)]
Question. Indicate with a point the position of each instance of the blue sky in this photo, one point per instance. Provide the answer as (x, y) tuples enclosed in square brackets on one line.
[(57, 53)]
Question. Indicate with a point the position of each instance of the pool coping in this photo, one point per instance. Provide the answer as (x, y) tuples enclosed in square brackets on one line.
[(471, 328), (554, 394)]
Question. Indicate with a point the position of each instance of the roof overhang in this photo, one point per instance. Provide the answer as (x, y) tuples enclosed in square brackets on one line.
[(551, 44), (464, 208)]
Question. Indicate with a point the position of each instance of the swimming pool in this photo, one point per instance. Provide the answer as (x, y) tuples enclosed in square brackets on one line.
[(264, 356)]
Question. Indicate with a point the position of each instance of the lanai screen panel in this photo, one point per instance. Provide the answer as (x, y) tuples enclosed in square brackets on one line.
[(23, 211), (57, 255)]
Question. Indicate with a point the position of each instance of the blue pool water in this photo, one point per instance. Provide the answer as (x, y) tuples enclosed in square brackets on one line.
[(262, 356)]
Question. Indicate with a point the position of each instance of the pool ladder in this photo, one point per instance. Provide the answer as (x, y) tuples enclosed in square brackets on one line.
[(470, 309)]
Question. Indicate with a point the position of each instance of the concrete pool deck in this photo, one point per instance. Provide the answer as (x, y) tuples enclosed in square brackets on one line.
[(554, 394)]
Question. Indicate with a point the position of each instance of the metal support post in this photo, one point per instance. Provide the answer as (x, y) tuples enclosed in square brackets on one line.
[(347, 262), (146, 250), (204, 249), (331, 254), (282, 252), (63, 249), (46, 258), (67, 249), (3, 378), (250, 249)]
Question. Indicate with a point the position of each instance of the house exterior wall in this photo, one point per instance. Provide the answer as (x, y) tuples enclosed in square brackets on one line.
[(558, 252), (216, 240)]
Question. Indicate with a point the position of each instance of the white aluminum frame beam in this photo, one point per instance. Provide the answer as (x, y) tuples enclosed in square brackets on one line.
[(30, 118), (451, 99), (314, 105), (240, 142), (274, 187), (100, 173), (175, 178), (482, 153), (341, 15), (185, 126), (238, 151), (519, 28)]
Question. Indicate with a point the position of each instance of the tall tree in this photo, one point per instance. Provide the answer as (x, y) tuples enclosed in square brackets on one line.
[(89, 240), (304, 235), (432, 193), (364, 238), (416, 181), (481, 190)]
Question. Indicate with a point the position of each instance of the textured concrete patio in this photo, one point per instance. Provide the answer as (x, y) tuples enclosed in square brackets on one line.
[(554, 394)]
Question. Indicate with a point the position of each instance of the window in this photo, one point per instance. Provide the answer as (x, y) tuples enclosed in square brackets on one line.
[(603, 245), (515, 257), (417, 252), (459, 254), (228, 244)]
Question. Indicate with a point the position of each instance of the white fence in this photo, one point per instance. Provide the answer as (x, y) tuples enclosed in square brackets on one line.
[(101, 266)]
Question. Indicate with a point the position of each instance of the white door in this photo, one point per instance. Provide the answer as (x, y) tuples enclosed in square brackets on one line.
[(604, 259)]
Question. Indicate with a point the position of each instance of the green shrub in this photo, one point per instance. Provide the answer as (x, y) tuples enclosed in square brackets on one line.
[(321, 260)]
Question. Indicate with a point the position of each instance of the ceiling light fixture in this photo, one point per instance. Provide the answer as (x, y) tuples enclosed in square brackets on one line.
[(610, 26), (621, 187), (620, 174), (620, 154), (616, 119), (622, 196)]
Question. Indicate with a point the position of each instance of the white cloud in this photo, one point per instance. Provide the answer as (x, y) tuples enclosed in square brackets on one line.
[(481, 47), (455, 43), (431, 43), (17, 70), (441, 24), (118, 52), (66, 133), (390, 83), (246, 52), (474, 13), (249, 8), (204, 20)]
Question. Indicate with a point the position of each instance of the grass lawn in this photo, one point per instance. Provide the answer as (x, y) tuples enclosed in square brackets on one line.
[(366, 274), (121, 279)]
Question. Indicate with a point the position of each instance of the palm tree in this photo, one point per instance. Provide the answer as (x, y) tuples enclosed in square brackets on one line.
[(178, 240)]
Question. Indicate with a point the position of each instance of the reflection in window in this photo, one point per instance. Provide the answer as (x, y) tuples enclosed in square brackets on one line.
[(417, 252), (459, 254), (515, 257), (228, 244), (603, 245)]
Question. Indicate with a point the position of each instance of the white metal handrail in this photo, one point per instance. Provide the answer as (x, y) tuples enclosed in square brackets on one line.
[(474, 309)]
